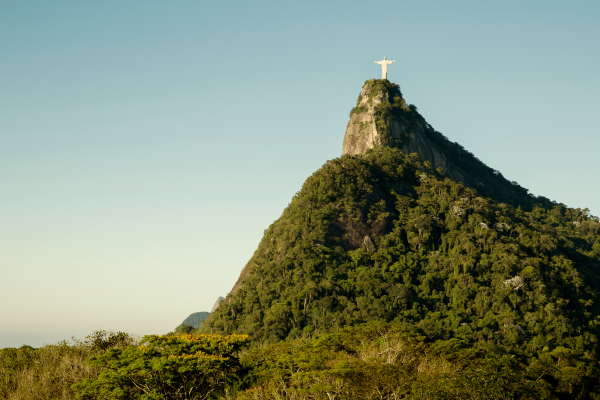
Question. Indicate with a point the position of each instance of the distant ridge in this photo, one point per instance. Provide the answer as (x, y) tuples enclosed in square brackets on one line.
[(196, 319)]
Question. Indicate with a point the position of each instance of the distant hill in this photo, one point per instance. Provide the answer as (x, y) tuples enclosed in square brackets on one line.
[(196, 319)]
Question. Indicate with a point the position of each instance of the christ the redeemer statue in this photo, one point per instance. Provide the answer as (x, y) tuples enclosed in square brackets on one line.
[(384, 63)]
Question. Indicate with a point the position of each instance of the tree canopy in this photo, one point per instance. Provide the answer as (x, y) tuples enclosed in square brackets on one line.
[(381, 237), (165, 367)]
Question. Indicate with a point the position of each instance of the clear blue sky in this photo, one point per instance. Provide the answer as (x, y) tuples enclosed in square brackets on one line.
[(146, 145)]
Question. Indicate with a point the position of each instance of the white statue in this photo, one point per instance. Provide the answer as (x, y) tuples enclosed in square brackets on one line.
[(384, 63)]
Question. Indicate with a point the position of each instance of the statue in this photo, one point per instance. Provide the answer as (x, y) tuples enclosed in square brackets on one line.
[(384, 64)]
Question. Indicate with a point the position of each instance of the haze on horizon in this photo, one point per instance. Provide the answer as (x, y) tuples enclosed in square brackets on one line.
[(145, 146)]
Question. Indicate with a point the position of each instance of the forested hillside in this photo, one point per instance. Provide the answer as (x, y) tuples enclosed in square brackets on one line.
[(381, 236)]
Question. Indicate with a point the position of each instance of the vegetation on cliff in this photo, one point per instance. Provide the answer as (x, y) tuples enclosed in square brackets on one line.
[(397, 124)]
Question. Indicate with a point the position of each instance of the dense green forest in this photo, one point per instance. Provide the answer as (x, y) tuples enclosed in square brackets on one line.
[(382, 237)]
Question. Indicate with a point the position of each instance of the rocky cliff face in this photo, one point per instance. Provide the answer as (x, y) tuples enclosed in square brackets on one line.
[(382, 118), (361, 132)]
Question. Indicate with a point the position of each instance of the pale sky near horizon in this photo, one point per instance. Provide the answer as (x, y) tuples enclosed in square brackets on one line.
[(146, 145)]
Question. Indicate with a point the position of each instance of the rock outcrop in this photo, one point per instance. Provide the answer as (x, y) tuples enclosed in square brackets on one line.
[(219, 300), (382, 118), (361, 132)]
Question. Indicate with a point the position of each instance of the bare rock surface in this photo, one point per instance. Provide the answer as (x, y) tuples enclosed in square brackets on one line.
[(361, 131)]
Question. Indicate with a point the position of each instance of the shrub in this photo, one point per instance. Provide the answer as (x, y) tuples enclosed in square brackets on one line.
[(48, 372), (165, 367)]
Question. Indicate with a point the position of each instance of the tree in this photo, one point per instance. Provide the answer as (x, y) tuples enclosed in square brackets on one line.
[(165, 367), (184, 329)]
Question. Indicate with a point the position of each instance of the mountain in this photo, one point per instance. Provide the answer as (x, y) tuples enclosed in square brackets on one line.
[(409, 228), (196, 319)]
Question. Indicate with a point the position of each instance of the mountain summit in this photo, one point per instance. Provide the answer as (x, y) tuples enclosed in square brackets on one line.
[(382, 118), (452, 253)]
